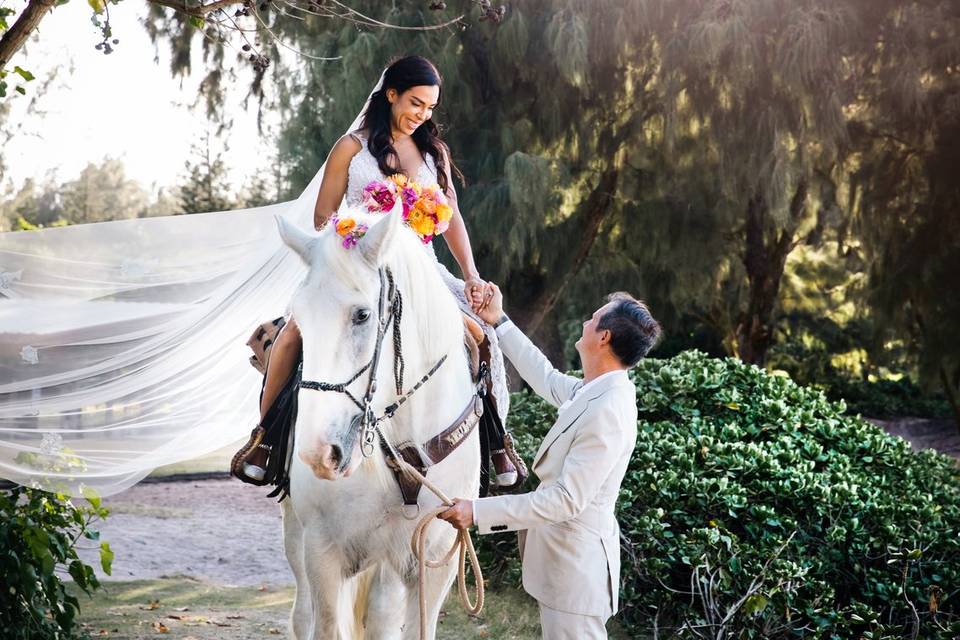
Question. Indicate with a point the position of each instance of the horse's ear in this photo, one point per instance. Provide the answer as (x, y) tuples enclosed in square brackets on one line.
[(298, 240), (377, 240)]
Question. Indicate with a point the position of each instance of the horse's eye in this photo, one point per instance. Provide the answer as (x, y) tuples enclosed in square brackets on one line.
[(361, 315)]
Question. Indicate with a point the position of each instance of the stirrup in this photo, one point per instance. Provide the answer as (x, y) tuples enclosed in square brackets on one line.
[(243, 470), (521, 468), (255, 471), (506, 478)]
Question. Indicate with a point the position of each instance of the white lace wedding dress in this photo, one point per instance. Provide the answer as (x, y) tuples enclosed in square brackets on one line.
[(362, 171)]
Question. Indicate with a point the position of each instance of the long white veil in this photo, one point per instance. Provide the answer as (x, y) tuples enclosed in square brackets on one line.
[(122, 344)]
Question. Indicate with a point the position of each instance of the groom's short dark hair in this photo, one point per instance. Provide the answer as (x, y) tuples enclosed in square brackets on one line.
[(633, 330)]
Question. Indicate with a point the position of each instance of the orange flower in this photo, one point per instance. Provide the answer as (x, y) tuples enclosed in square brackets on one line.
[(421, 223), (345, 226), (427, 205), (444, 212)]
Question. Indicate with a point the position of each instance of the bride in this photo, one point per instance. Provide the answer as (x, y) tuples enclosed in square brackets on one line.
[(396, 134)]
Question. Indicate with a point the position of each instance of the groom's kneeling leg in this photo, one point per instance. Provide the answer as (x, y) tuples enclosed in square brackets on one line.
[(560, 625)]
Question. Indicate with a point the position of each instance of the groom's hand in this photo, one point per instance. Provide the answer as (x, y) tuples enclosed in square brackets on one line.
[(460, 515), (492, 307)]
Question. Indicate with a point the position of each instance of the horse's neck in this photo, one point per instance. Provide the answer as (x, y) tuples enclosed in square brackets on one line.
[(438, 402)]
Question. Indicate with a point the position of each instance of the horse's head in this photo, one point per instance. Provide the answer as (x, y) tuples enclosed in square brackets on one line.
[(338, 311)]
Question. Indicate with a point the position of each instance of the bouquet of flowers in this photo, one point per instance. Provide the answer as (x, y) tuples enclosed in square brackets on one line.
[(425, 208)]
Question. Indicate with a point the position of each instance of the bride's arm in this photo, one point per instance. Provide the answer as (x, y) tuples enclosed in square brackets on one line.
[(459, 242), (334, 183)]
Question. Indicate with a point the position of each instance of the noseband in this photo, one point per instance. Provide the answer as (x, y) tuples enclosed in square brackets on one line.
[(389, 311)]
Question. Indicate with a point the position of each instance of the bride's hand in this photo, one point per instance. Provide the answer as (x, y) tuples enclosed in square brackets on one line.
[(473, 289)]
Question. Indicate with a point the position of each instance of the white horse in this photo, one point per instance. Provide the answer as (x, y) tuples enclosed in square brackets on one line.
[(346, 533)]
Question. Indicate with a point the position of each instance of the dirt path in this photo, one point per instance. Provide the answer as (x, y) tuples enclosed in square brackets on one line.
[(219, 530), (941, 435)]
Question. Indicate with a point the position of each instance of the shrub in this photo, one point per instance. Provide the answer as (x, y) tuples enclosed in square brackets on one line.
[(39, 533), (755, 508)]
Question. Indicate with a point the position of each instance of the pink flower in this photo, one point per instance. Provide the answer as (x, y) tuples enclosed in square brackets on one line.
[(350, 239), (409, 197), (378, 197)]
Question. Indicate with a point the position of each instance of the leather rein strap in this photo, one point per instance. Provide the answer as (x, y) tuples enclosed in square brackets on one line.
[(438, 447)]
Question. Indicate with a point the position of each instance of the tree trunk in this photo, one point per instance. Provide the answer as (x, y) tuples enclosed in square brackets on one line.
[(950, 390), (17, 34), (764, 261), (595, 211)]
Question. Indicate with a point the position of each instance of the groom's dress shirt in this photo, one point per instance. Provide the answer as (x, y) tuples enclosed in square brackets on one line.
[(586, 387), (569, 536)]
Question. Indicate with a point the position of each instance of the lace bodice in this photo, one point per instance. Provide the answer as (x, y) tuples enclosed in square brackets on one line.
[(363, 170)]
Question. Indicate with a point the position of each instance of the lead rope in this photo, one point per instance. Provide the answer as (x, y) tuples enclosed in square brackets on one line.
[(463, 543)]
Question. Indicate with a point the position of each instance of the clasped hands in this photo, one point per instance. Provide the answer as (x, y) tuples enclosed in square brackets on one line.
[(485, 299)]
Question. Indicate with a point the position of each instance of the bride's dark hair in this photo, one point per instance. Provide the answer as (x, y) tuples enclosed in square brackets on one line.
[(403, 73)]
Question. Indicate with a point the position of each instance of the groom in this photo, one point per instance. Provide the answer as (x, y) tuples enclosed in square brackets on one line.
[(569, 537)]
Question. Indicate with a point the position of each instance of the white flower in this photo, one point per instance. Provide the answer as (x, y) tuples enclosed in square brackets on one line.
[(51, 444), (131, 268), (7, 278), (29, 355)]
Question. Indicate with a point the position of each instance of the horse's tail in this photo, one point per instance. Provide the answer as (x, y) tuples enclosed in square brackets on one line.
[(354, 601)]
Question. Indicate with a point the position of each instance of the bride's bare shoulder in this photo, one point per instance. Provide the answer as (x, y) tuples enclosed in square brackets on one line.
[(345, 149)]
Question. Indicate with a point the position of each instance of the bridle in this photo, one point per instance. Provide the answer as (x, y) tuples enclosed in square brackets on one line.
[(389, 311)]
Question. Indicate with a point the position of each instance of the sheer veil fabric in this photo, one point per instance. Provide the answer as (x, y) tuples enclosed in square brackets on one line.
[(122, 344)]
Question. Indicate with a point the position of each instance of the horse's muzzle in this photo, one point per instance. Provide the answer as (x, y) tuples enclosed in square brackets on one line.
[(332, 460)]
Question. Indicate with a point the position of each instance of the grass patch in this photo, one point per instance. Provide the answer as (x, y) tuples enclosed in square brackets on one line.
[(189, 609)]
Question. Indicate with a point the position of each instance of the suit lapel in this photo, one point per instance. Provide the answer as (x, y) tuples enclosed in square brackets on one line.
[(564, 421), (572, 413)]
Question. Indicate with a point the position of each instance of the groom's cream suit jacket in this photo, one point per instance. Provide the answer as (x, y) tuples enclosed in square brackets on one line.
[(569, 537)]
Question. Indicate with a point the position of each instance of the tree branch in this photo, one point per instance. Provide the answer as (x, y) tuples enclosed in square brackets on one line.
[(14, 38), (198, 11)]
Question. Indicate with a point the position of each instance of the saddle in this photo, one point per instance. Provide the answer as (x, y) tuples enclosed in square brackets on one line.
[(273, 433)]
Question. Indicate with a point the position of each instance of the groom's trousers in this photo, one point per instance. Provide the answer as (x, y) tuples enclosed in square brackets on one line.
[(560, 625)]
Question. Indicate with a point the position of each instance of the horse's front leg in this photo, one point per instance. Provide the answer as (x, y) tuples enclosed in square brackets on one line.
[(386, 605), (301, 613), (436, 586), (324, 572)]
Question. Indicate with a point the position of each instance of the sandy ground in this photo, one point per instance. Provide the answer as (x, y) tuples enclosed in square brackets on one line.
[(219, 530)]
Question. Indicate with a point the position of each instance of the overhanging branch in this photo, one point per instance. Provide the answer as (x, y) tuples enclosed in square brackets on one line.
[(14, 38), (199, 10)]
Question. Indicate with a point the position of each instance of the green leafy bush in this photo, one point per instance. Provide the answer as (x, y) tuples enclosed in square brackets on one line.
[(39, 532), (755, 508)]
